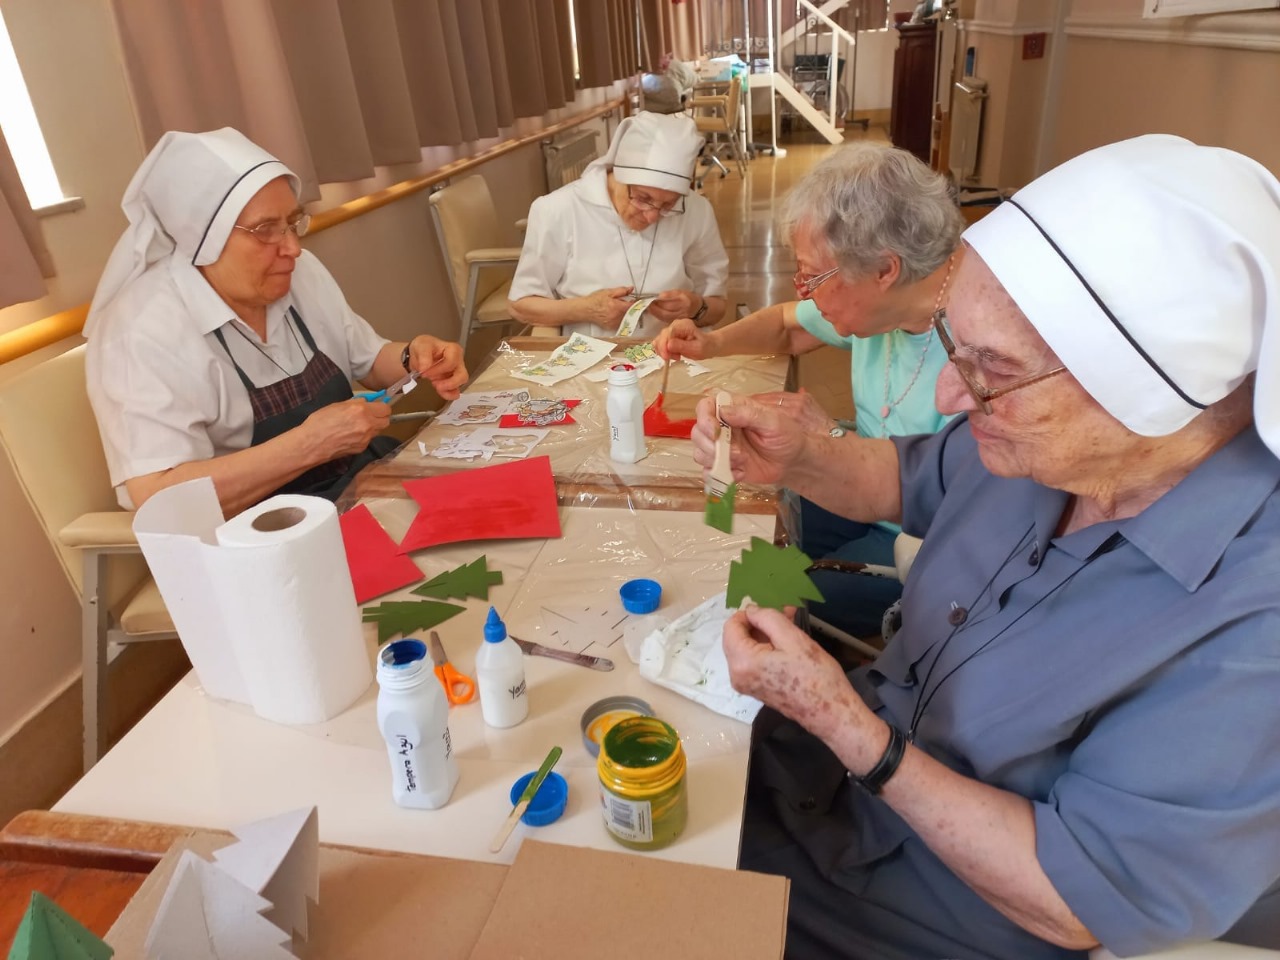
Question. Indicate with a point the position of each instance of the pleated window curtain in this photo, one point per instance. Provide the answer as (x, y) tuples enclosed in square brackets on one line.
[(337, 87), (24, 258), (673, 28)]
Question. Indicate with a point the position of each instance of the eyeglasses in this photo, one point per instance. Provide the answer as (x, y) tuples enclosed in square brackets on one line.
[(643, 203), (969, 371), (273, 231), (806, 285)]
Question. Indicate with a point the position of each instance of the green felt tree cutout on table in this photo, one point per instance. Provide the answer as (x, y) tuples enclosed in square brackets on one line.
[(771, 576), (48, 932), (406, 616), (469, 580)]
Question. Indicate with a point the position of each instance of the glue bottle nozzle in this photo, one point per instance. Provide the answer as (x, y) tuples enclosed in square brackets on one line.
[(495, 631)]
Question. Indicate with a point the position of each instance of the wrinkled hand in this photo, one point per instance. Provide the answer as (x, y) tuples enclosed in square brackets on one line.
[(606, 307), (674, 304), (683, 338), (773, 660), (765, 441), (440, 363), (800, 409), (345, 428)]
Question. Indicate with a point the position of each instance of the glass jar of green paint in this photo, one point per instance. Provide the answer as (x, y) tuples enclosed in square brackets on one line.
[(642, 784)]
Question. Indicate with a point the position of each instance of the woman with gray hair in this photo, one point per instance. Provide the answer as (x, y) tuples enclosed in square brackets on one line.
[(1075, 737), (873, 230)]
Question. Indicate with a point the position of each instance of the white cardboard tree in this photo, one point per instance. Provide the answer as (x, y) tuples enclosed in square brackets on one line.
[(279, 857)]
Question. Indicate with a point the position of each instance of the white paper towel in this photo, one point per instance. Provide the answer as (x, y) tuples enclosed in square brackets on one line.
[(263, 603)]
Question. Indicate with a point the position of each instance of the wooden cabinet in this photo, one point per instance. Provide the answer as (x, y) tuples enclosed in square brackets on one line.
[(911, 112)]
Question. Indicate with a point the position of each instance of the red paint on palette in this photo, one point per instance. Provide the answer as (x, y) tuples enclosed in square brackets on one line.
[(658, 424), (376, 565)]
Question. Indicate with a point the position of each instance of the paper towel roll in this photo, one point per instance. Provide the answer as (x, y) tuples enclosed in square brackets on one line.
[(263, 603)]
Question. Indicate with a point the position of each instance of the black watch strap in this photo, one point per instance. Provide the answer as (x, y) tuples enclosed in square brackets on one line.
[(875, 778), (404, 358), (700, 313)]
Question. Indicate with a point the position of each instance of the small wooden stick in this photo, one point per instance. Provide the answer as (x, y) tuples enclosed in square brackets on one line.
[(666, 373)]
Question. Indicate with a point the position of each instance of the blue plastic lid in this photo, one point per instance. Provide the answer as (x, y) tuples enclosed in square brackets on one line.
[(547, 804), (495, 631), (641, 596)]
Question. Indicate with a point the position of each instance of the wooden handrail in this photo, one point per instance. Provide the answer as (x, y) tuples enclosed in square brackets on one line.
[(42, 333)]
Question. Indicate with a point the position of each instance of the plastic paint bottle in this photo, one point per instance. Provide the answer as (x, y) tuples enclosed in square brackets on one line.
[(625, 406), (504, 698), (642, 785), (413, 716)]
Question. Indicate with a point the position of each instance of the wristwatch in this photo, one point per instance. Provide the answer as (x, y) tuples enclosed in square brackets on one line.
[(700, 313), (837, 430), (404, 358)]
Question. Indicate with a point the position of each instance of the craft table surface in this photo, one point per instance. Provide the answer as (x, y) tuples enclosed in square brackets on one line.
[(579, 452), (205, 763)]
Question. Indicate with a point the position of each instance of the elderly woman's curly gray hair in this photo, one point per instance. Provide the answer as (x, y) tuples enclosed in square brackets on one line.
[(866, 201)]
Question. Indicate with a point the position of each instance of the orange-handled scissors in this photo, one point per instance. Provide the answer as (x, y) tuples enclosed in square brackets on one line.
[(458, 687)]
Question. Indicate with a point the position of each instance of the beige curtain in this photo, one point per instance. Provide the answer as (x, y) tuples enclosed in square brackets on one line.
[(337, 87), (24, 259), (604, 45)]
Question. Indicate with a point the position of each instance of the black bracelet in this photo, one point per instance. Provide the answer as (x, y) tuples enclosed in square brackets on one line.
[(875, 778), (404, 358)]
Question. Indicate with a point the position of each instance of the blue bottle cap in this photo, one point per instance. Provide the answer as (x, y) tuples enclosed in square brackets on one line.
[(495, 631), (641, 596), (547, 804)]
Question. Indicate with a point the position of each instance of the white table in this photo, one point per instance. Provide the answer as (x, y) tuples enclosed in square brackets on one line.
[(200, 762)]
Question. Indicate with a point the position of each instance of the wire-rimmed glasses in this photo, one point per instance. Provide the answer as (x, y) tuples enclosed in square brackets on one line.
[(969, 372), (806, 285), (273, 231), (646, 205)]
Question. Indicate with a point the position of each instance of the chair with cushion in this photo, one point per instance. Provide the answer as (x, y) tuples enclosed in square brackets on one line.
[(480, 267), (718, 116), (49, 434)]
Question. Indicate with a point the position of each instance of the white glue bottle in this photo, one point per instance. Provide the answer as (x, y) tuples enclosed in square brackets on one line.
[(504, 699), (413, 716), (625, 406)]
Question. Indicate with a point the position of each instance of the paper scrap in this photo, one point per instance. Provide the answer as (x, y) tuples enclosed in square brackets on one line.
[(278, 857), (377, 566), (631, 319), (483, 407), (485, 443), (539, 413), (407, 616), (469, 580), (772, 576), (642, 356), (575, 355), (47, 932), (506, 501)]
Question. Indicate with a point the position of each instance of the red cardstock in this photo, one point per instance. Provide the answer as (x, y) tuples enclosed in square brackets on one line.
[(509, 501), (375, 563), (540, 413)]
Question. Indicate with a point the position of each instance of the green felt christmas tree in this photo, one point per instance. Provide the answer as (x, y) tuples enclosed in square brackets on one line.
[(406, 616), (771, 576), (48, 932), (469, 580)]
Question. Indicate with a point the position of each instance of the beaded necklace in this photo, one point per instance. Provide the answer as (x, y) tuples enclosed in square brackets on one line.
[(889, 405)]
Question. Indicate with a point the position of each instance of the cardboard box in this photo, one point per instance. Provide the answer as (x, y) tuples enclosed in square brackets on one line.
[(553, 903)]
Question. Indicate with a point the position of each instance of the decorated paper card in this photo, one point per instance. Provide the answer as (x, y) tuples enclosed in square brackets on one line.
[(404, 617), (48, 932), (377, 566), (480, 407), (469, 580), (279, 858), (572, 357), (539, 413), (631, 319), (486, 443), (771, 576), (642, 356), (507, 501), (462, 447)]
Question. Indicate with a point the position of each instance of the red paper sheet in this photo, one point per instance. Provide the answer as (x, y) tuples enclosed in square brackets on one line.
[(539, 413), (375, 563), (508, 501)]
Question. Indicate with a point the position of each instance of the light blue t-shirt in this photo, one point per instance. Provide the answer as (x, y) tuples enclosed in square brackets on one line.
[(910, 405)]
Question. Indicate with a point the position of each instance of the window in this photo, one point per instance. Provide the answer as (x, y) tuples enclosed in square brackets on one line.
[(22, 130)]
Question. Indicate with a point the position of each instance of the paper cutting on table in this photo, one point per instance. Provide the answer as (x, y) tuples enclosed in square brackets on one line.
[(507, 501), (480, 407), (575, 355), (408, 616), (279, 858), (48, 932), (377, 566), (642, 356), (631, 319), (469, 580), (486, 443), (538, 413), (771, 576)]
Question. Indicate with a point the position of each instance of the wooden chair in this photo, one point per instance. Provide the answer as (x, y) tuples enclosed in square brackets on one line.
[(718, 116), (50, 436)]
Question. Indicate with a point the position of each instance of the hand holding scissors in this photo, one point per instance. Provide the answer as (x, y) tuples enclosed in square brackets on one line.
[(458, 687)]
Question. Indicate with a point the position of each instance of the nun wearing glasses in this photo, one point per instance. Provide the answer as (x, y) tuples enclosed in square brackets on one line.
[(219, 347), (1074, 739), (629, 227)]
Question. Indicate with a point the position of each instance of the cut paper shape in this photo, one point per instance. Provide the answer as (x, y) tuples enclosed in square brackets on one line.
[(406, 616), (631, 319), (279, 858), (539, 413), (377, 566), (575, 355), (488, 442), (469, 580), (483, 407), (48, 932), (508, 501), (772, 576), (642, 356), (207, 914)]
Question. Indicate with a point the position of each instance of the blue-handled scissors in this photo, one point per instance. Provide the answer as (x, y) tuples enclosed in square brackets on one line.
[(394, 392)]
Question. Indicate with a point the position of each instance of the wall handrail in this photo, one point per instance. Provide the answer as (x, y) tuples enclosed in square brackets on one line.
[(45, 332)]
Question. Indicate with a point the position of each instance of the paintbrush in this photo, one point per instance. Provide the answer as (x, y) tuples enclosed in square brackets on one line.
[(525, 799), (718, 485), (666, 374)]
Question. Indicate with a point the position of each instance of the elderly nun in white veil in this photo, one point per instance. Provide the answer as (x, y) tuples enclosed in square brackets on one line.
[(219, 347), (1075, 737)]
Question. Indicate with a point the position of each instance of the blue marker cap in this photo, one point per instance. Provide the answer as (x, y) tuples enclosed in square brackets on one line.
[(495, 631)]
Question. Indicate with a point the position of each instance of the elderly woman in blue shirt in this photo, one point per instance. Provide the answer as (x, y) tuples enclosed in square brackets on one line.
[(1075, 738)]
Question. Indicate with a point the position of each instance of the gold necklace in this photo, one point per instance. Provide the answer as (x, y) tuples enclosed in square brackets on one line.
[(889, 406)]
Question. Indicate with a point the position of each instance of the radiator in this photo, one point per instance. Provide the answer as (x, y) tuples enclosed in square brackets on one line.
[(567, 158), (967, 97)]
